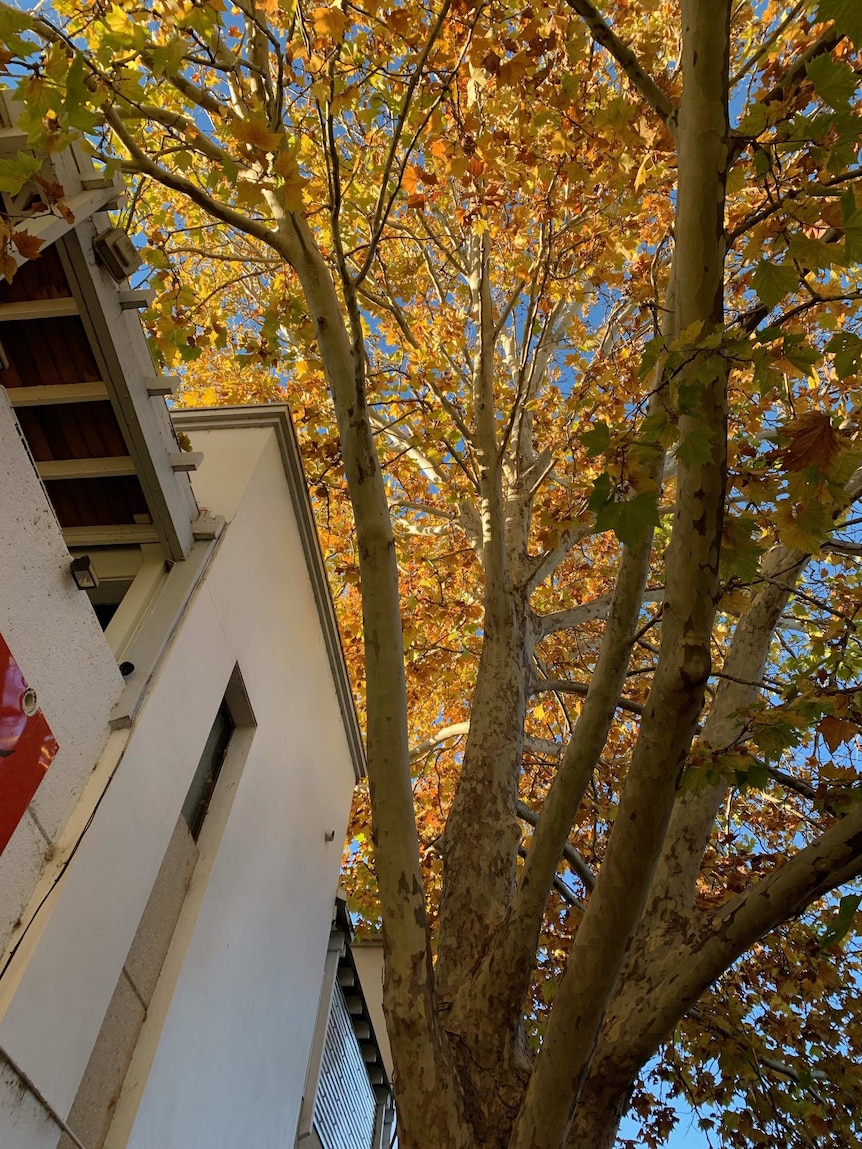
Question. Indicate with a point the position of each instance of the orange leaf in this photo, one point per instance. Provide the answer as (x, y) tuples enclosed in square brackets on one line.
[(812, 442), (330, 22), (27, 244), (836, 730), (412, 175)]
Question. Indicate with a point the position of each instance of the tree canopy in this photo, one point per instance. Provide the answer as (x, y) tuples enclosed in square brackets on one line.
[(565, 302)]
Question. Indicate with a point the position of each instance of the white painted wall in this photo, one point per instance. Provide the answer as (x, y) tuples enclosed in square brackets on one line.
[(230, 1064), (54, 637)]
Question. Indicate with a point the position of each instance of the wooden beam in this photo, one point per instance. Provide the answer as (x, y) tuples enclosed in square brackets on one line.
[(124, 361), (12, 140), (161, 385), (116, 535), (186, 460), (110, 468), (136, 299), (50, 227), (48, 395), (38, 309)]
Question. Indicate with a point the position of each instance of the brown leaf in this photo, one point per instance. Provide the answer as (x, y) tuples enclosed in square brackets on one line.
[(51, 187), (836, 730), (812, 441), (27, 244)]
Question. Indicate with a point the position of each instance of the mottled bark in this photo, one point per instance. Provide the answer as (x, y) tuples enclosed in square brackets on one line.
[(426, 1083), (676, 698)]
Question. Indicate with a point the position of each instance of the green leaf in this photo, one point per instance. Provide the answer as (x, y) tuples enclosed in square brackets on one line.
[(597, 440), (802, 525), (78, 97), (601, 493), (754, 121), (772, 281), (773, 737), (650, 354), (851, 219), (630, 521), (842, 923), (653, 426), (740, 554), (167, 58), (814, 254), (12, 24), (755, 776), (800, 353), (14, 173), (695, 447), (834, 81), (847, 15), (847, 349), (762, 163)]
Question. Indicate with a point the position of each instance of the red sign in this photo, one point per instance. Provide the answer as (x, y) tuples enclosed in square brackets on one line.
[(27, 746)]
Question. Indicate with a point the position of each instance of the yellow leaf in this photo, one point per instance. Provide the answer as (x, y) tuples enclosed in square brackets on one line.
[(286, 166), (256, 134), (330, 22)]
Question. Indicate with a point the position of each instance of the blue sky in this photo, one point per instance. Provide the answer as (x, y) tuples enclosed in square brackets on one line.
[(686, 1135)]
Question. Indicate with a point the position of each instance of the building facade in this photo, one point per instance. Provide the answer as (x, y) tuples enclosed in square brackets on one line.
[(178, 745)]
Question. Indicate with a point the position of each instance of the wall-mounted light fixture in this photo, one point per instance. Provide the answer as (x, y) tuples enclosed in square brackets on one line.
[(82, 572)]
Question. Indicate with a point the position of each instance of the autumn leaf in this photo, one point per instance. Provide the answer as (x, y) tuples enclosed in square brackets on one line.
[(410, 179), (835, 731), (330, 22), (287, 166), (812, 441), (802, 525), (255, 134), (27, 244)]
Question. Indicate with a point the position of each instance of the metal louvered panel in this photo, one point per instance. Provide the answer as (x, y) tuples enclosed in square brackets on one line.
[(345, 1108)]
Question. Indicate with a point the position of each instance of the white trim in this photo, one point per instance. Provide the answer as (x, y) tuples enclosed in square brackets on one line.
[(49, 227), (137, 601), (277, 416), (158, 628), (334, 952)]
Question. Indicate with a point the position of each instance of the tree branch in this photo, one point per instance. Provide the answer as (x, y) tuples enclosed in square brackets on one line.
[(586, 612), (602, 33), (570, 854), (566, 686)]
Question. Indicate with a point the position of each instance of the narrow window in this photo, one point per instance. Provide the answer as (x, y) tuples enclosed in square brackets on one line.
[(206, 775)]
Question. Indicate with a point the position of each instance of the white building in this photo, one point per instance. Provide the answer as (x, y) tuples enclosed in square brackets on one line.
[(178, 744)]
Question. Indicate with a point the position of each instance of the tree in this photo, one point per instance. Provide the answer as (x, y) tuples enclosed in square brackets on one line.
[(580, 285)]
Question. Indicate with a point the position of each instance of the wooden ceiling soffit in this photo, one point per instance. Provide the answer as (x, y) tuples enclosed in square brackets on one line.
[(126, 369)]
